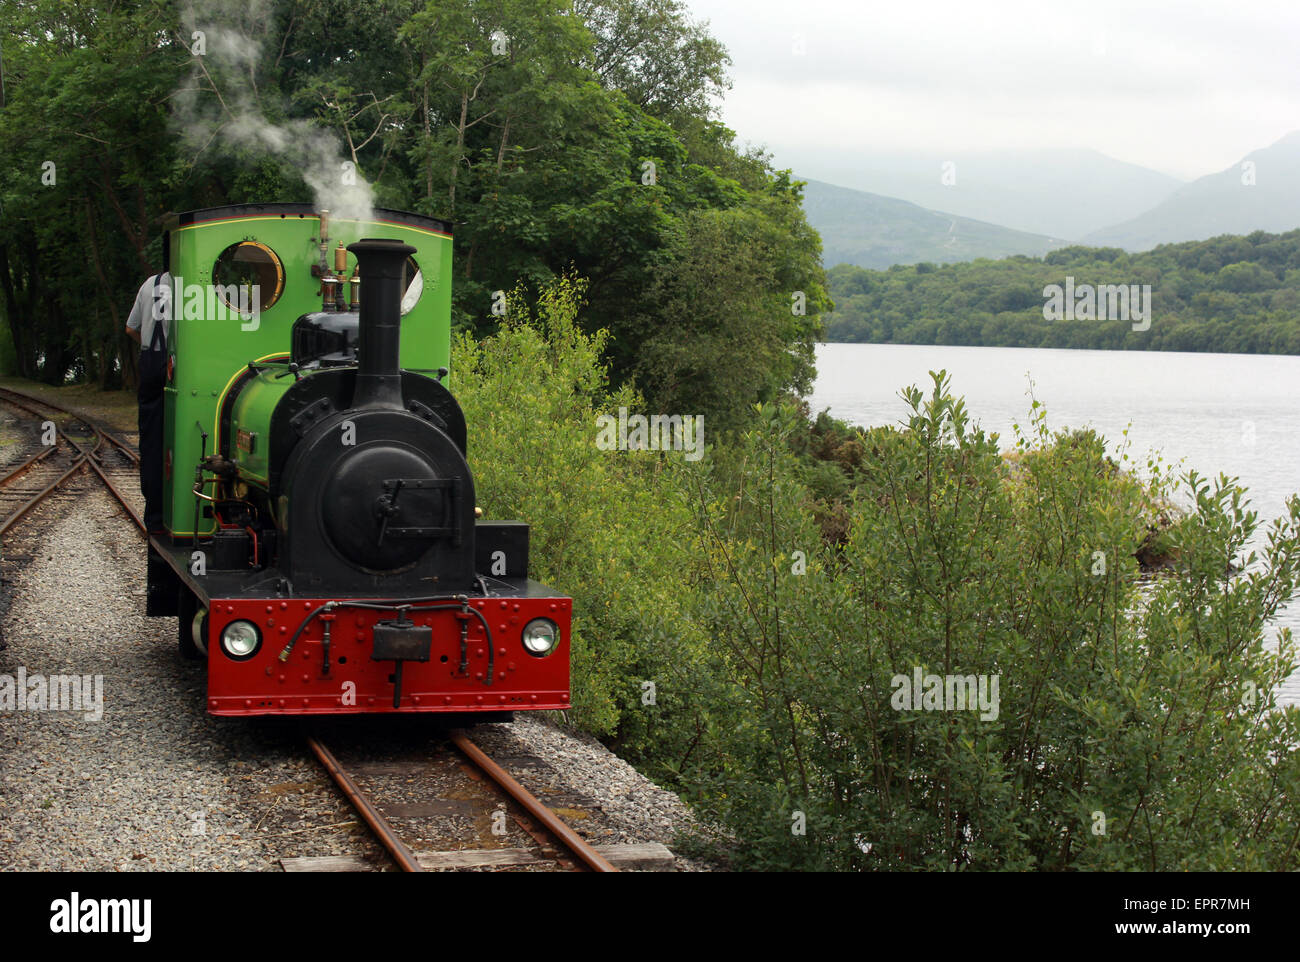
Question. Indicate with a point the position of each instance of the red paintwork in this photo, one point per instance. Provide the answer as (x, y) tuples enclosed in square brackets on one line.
[(264, 685)]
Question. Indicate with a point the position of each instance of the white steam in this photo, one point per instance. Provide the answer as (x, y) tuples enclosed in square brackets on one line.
[(231, 120)]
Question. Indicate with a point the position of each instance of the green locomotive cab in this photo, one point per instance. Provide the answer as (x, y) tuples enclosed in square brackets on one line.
[(242, 277)]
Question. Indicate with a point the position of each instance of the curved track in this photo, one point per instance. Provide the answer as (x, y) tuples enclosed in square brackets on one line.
[(78, 444)]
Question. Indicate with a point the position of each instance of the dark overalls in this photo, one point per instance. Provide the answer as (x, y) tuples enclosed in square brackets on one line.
[(153, 374)]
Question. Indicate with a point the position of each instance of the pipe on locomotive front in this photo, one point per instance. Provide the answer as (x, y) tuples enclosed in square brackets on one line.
[(379, 375)]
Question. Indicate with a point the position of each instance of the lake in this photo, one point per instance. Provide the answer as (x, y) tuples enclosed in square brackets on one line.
[(1237, 414)]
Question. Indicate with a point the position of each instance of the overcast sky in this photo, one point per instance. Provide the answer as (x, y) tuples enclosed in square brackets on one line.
[(1186, 87)]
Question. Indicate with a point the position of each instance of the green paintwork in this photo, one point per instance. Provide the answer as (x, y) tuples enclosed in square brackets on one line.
[(210, 350), (252, 413)]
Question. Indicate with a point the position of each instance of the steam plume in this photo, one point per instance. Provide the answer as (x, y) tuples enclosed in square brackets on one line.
[(230, 34)]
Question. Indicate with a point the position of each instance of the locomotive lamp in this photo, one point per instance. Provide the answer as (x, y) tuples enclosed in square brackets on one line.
[(540, 637), (240, 640)]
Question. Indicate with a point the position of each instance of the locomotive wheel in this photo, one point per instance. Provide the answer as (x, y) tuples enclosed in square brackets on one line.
[(188, 610)]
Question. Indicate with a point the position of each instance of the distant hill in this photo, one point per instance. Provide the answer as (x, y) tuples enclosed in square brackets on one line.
[(1230, 294), (873, 231), (1056, 193), (1220, 203)]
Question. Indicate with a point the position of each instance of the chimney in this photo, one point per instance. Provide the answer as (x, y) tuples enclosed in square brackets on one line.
[(379, 377)]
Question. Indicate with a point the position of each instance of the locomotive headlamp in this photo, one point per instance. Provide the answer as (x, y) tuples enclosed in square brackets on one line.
[(240, 640), (540, 637)]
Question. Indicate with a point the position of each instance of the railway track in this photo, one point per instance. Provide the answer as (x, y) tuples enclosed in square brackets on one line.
[(458, 784), (79, 445), (69, 444)]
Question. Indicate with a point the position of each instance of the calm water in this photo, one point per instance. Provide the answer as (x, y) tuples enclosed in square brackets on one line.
[(1237, 414)]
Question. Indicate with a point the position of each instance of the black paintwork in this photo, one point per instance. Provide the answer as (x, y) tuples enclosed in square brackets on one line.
[(330, 509), (337, 386), (299, 210), (508, 537), (264, 585), (325, 339)]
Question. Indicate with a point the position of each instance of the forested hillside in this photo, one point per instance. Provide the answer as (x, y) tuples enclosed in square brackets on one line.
[(874, 231), (1232, 294), (555, 136)]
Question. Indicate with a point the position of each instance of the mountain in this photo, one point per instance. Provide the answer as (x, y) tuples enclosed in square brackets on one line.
[(1059, 193), (874, 231), (1222, 203)]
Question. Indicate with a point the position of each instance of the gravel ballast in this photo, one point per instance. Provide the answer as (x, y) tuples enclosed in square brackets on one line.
[(158, 784)]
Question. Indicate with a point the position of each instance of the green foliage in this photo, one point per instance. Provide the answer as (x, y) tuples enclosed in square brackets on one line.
[(772, 592), (1229, 294), (652, 51), (727, 288), (85, 108), (1135, 726), (529, 125), (1151, 707), (601, 529)]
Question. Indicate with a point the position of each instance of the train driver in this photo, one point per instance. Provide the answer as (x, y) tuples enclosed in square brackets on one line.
[(149, 326)]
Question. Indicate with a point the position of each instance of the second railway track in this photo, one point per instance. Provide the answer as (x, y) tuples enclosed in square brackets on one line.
[(66, 445)]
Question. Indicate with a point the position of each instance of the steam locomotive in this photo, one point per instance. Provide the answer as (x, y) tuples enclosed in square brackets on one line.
[(322, 546)]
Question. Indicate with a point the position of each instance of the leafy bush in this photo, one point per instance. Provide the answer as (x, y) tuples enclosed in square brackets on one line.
[(1130, 732), (602, 529)]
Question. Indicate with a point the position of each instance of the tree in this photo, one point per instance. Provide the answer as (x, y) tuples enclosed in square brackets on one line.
[(554, 137), (83, 127), (652, 51), (746, 309)]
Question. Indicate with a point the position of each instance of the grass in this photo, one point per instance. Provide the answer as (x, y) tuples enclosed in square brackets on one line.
[(118, 409)]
